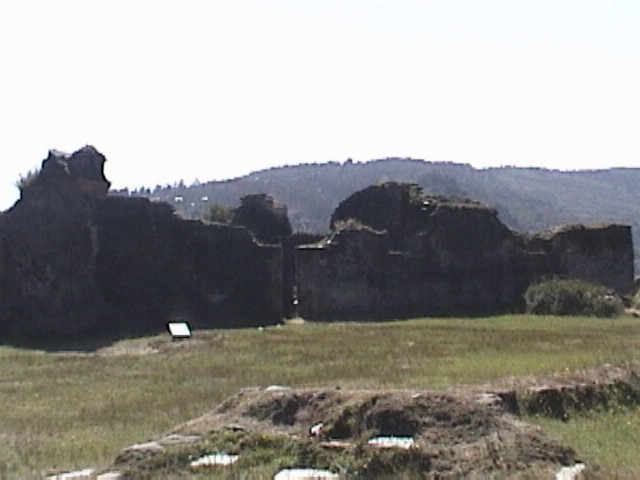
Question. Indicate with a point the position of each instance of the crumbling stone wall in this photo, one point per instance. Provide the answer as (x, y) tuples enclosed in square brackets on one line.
[(152, 265), (601, 254), (429, 255), (397, 252), (49, 245), (78, 263), (268, 221), (266, 218)]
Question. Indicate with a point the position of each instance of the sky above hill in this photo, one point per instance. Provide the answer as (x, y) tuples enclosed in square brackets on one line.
[(212, 89)]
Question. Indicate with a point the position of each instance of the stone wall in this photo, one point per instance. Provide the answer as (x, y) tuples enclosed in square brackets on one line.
[(599, 254), (266, 218), (48, 249), (268, 221), (153, 265), (434, 255), (76, 263)]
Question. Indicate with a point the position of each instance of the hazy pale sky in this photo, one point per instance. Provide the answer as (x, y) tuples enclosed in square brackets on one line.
[(212, 89)]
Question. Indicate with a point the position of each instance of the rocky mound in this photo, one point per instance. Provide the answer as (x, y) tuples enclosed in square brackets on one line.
[(360, 434), (468, 431)]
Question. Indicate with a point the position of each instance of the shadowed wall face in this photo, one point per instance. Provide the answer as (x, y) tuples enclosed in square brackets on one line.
[(602, 254), (77, 264), (49, 244), (396, 252), (154, 265)]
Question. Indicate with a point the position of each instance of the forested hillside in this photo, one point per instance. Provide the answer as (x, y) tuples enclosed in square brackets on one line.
[(527, 199)]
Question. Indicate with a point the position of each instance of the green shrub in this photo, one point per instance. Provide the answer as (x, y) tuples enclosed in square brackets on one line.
[(219, 213), (571, 297)]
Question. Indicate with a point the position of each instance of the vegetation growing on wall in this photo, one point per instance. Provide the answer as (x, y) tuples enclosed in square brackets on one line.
[(27, 179)]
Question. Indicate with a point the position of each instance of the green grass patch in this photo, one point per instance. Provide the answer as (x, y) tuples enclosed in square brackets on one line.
[(261, 456), (70, 411), (608, 439)]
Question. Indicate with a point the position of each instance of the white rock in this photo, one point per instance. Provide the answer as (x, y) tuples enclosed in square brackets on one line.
[(276, 388), (110, 476), (176, 439), (392, 442), (571, 472), (304, 474), (86, 474), (316, 430), (146, 447), (214, 460)]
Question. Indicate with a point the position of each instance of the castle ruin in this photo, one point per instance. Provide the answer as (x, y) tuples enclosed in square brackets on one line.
[(76, 262), (395, 251)]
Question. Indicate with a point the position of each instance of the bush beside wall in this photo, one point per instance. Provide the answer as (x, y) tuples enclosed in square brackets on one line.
[(558, 296)]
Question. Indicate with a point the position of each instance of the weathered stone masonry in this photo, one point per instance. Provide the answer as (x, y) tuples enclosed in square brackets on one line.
[(75, 263), (397, 252), (153, 266), (600, 254)]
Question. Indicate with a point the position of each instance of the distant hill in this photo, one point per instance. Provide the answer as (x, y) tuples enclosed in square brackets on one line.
[(527, 199)]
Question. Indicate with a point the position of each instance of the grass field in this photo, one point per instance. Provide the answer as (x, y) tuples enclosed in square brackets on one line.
[(69, 410)]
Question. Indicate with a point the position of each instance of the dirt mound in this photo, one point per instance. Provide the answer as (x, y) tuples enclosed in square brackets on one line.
[(566, 394), (445, 435), (470, 431)]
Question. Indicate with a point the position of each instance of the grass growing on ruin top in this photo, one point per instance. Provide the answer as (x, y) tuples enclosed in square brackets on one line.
[(77, 410)]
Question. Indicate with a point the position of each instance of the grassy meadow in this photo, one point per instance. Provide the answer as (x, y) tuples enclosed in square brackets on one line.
[(73, 410)]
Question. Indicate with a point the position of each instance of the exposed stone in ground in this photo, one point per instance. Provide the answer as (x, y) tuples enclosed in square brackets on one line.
[(455, 436)]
